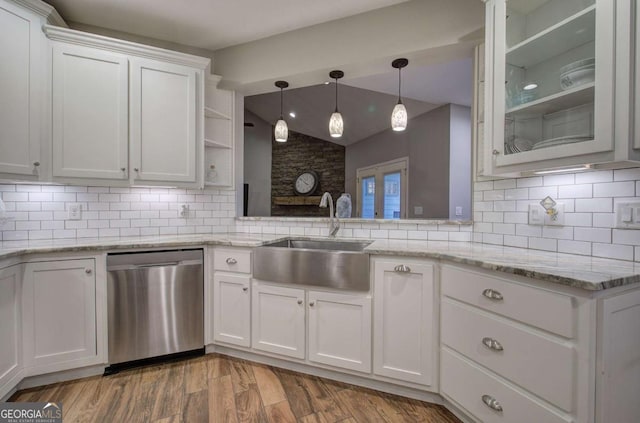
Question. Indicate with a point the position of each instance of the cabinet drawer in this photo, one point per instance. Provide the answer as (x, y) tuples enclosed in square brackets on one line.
[(468, 384), (534, 306), (537, 364), (232, 260)]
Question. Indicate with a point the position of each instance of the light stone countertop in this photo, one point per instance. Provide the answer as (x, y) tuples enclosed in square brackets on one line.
[(589, 273)]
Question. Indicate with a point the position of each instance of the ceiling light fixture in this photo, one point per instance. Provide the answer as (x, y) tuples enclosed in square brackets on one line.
[(399, 114), (336, 125), (282, 131), (292, 114)]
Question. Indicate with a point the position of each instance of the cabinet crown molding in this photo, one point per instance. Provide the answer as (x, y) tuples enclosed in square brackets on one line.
[(43, 9), (126, 47)]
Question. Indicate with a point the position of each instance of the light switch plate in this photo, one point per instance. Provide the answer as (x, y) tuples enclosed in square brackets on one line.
[(536, 214), (75, 211), (417, 210), (458, 210), (627, 215)]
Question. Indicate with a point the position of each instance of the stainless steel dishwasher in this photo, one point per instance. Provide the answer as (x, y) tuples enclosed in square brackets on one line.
[(155, 305)]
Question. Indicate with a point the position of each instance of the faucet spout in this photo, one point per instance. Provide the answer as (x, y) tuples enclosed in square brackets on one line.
[(334, 222)]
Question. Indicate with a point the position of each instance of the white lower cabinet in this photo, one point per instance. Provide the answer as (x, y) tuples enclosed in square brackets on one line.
[(10, 328), (232, 309), (59, 315), (278, 320), (340, 330), (405, 319)]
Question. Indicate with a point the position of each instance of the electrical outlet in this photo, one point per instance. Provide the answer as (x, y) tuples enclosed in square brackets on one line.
[(536, 214), (417, 210), (184, 211), (556, 219), (75, 211), (458, 211)]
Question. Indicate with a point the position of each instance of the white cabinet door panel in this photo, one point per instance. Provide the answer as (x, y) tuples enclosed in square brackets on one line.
[(19, 90), (163, 121), (405, 322), (90, 113), (59, 314), (10, 328), (232, 309), (278, 320), (340, 330)]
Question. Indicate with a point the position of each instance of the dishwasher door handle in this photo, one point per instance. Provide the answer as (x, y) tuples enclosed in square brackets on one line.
[(173, 263)]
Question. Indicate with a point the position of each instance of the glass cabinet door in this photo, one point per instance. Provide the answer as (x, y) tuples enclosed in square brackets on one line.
[(553, 70)]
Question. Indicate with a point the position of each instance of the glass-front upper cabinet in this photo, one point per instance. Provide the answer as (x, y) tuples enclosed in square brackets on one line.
[(550, 82)]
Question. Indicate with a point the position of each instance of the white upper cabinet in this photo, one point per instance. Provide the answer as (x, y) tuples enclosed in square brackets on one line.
[(90, 113), (552, 85), (125, 113), (163, 121), (21, 74)]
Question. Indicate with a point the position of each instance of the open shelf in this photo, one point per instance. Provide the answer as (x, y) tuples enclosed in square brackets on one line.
[(297, 201), (557, 102), (211, 113), (572, 32), (217, 144)]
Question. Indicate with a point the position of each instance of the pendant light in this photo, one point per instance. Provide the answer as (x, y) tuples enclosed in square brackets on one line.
[(399, 114), (282, 131), (336, 125)]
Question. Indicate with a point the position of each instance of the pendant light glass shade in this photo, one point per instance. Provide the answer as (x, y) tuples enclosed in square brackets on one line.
[(281, 131), (336, 124), (399, 116)]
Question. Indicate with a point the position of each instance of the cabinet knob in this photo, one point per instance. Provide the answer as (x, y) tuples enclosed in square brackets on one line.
[(401, 268), (491, 402), (245, 289), (136, 169), (492, 294), (300, 302), (231, 260), (88, 271), (312, 303), (492, 344), (496, 152), (123, 169), (36, 164)]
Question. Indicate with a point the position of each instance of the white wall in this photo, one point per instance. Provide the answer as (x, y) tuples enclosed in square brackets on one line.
[(460, 162), (363, 44), (257, 166)]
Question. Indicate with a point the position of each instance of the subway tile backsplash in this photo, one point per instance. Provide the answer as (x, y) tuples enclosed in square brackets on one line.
[(500, 214), (42, 211), (589, 199)]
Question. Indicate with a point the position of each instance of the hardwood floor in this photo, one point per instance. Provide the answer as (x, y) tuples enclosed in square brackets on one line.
[(216, 388)]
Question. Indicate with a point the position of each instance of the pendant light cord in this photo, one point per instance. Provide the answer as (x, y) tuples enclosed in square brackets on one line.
[(399, 85), (336, 95), (281, 104)]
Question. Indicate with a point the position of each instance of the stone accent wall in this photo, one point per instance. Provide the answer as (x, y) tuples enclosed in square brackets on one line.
[(301, 153)]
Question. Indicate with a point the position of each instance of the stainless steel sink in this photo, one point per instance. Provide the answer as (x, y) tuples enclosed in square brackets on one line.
[(336, 264)]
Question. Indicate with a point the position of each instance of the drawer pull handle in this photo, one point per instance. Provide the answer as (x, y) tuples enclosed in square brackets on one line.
[(492, 294), (88, 271), (245, 289), (401, 268), (491, 402), (231, 260), (492, 344)]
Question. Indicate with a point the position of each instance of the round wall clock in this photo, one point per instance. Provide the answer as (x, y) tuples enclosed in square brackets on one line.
[(306, 183)]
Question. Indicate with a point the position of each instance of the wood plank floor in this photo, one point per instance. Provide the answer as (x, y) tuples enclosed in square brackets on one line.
[(217, 388)]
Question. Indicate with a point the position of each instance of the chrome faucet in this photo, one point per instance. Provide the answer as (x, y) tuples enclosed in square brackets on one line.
[(334, 222)]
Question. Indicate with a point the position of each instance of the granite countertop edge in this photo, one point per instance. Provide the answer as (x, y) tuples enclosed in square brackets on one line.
[(484, 256)]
